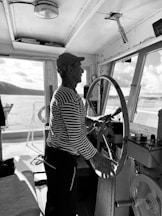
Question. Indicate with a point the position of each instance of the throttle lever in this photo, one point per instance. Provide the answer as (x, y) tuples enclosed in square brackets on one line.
[(108, 118), (117, 111)]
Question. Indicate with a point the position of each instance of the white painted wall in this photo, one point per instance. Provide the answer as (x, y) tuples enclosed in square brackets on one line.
[(139, 37)]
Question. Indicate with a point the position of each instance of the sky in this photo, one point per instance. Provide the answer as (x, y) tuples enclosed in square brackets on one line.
[(153, 79), (29, 74), (152, 76), (22, 73)]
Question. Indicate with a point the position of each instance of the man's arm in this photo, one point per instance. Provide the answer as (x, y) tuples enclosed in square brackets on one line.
[(79, 141)]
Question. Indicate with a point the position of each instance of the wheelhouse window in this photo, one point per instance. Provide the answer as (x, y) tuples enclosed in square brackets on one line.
[(22, 93), (150, 96), (123, 75)]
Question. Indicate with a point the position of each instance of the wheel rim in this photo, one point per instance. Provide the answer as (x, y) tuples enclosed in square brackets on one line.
[(122, 157)]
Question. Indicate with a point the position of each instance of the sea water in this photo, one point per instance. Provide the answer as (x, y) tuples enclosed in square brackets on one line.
[(24, 113)]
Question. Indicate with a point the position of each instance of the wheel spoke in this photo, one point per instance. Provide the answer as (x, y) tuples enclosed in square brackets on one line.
[(92, 107), (108, 147)]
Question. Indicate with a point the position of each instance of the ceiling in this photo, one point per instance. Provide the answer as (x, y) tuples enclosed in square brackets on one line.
[(80, 26)]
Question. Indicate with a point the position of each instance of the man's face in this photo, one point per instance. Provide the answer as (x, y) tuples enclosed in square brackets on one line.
[(77, 72)]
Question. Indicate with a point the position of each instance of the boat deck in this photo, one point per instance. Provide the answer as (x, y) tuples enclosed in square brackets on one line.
[(27, 158)]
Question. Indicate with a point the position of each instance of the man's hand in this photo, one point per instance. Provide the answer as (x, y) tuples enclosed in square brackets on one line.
[(102, 164)]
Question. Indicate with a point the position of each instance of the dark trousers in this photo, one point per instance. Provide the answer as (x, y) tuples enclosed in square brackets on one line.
[(61, 183)]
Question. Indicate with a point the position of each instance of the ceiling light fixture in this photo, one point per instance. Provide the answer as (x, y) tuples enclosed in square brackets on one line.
[(46, 9)]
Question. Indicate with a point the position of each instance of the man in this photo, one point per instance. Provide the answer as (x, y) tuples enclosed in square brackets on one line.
[(67, 140)]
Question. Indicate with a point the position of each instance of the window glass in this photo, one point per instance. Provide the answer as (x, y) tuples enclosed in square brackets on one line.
[(80, 86), (150, 97), (123, 75), (22, 93)]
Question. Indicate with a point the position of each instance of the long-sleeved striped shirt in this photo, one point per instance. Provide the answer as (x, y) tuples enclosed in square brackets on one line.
[(67, 124)]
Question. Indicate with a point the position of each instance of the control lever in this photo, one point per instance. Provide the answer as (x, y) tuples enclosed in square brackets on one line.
[(107, 118), (117, 111)]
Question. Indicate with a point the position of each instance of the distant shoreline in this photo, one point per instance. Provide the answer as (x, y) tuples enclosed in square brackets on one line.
[(10, 89)]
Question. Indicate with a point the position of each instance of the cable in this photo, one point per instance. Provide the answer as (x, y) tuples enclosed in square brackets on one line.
[(40, 159)]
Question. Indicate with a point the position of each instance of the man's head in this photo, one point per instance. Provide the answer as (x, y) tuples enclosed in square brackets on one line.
[(69, 67), (67, 59)]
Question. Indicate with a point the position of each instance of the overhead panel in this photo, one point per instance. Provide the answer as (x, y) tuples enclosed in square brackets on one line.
[(79, 27), (99, 31), (26, 24)]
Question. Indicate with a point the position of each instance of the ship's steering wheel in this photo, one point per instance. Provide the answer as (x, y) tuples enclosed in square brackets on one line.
[(120, 156)]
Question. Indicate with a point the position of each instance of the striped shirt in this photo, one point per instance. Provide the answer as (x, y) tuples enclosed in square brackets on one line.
[(67, 124)]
